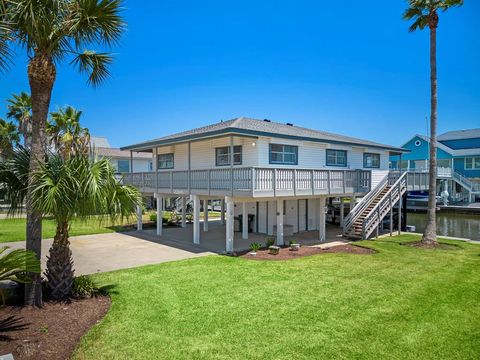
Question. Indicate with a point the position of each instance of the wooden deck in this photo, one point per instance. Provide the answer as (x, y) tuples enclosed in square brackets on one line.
[(253, 182)]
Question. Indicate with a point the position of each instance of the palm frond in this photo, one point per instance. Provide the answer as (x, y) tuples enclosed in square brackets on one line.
[(94, 64), (16, 264), (14, 179)]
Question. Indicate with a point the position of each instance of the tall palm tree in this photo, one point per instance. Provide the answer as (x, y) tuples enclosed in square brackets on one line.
[(9, 138), (53, 32), (66, 134), (20, 109), (425, 13), (66, 188)]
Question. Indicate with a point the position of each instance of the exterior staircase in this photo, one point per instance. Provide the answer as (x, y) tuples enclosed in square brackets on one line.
[(366, 217)]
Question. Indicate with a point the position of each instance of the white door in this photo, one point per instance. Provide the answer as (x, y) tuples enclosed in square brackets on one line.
[(262, 217), (302, 215)]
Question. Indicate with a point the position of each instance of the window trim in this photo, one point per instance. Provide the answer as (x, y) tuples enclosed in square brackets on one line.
[(473, 162), (165, 168), (336, 165), (371, 167), (228, 150), (272, 162)]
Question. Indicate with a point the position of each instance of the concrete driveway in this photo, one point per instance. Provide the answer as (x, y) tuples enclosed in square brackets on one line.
[(107, 252)]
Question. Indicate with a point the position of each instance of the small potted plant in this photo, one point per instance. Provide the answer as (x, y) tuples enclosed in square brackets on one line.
[(274, 250), (294, 246), (254, 247), (270, 240)]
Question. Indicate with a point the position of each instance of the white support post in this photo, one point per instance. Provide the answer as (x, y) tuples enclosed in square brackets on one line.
[(321, 219), (230, 225), (159, 214), (205, 215), (280, 240), (196, 219), (139, 218), (184, 212), (244, 221), (342, 212), (222, 212)]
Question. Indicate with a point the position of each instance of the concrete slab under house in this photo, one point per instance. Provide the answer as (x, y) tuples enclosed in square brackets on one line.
[(279, 176)]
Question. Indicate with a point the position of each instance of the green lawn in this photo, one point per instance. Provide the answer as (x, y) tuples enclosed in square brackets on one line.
[(14, 229), (401, 303)]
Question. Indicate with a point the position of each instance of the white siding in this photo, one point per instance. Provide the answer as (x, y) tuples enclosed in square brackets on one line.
[(377, 176)]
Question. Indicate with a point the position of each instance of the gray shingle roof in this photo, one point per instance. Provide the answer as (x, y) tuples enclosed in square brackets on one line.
[(459, 134), (248, 126)]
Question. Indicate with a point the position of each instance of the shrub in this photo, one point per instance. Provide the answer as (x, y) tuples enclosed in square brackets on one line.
[(153, 217), (255, 246), (293, 242), (270, 241), (84, 286)]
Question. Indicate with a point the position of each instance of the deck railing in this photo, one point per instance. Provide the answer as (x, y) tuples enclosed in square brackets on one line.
[(258, 180)]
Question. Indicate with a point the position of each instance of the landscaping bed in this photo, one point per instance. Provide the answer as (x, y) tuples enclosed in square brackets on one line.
[(286, 253), (51, 332)]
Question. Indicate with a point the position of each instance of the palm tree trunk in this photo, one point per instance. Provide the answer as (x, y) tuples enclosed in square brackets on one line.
[(60, 271), (41, 76), (430, 233)]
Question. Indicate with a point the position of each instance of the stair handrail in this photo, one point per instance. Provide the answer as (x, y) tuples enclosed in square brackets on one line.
[(468, 184), (385, 197), (363, 204)]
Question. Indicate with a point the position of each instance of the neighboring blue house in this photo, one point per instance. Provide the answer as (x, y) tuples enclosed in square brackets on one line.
[(458, 159)]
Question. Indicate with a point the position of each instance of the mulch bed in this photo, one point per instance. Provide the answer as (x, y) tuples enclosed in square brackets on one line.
[(286, 254), (441, 246), (51, 332)]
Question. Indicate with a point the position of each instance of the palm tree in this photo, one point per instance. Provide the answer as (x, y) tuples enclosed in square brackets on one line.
[(52, 32), (425, 13), (66, 134), (20, 109), (9, 138), (66, 188)]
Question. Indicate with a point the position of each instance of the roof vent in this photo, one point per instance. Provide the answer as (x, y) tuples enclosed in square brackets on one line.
[(266, 120), (289, 124)]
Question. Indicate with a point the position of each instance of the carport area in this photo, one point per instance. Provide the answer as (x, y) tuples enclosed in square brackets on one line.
[(213, 240)]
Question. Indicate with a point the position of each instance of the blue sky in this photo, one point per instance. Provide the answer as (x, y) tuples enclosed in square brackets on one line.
[(348, 67)]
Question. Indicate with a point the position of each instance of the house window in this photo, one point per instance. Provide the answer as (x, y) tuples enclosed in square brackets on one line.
[(472, 163), (123, 166), (336, 157), (165, 161), (222, 155), (283, 154), (371, 160)]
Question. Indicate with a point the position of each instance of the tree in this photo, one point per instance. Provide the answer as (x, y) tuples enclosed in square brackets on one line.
[(425, 13), (52, 32), (64, 188), (9, 138), (20, 109), (66, 134)]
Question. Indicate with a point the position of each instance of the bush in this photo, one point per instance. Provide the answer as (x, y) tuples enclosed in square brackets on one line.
[(84, 286), (270, 241), (255, 246), (153, 217)]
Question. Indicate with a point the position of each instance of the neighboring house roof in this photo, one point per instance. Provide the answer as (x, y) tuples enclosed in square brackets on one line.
[(99, 142), (117, 153), (459, 135), (448, 150), (253, 127)]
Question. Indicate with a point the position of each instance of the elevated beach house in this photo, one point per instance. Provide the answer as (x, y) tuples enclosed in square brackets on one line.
[(279, 175), (458, 162)]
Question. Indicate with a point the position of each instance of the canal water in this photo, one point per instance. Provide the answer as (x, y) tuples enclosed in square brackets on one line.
[(449, 224)]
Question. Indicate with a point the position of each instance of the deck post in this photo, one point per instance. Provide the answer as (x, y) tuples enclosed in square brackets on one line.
[(391, 214), (399, 209), (159, 213), (280, 240), (321, 219), (342, 211), (205, 215), (244, 221), (222, 212), (196, 219), (230, 225), (139, 218), (184, 212)]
